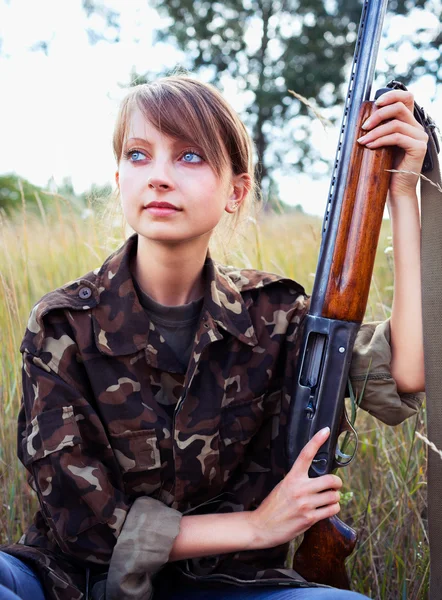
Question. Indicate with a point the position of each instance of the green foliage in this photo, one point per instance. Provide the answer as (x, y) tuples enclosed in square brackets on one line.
[(17, 193), (306, 44), (428, 59), (11, 196)]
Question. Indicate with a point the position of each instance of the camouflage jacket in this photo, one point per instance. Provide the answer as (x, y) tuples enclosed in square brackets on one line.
[(96, 441)]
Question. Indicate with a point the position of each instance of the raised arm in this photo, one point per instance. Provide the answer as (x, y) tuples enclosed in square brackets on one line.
[(393, 124)]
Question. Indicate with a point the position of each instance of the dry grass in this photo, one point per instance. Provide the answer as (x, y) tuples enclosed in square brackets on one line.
[(385, 499)]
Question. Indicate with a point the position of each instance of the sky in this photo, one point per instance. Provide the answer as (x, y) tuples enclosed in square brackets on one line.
[(57, 111)]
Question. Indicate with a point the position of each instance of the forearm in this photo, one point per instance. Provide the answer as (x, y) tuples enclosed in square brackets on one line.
[(295, 504), (205, 535), (407, 364)]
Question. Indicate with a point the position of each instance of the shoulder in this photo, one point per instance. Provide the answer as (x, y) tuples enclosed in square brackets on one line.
[(247, 280), (65, 305), (79, 294), (266, 291)]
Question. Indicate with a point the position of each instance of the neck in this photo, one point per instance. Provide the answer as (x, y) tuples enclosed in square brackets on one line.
[(170, 274)]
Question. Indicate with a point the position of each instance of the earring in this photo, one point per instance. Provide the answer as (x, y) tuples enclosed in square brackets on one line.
[(234, 206)]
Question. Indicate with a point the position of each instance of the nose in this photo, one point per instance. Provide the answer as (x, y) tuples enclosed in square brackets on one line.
[(159, 176), (159, 183)]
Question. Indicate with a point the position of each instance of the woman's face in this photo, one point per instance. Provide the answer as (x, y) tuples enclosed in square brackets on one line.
[(154, 170)]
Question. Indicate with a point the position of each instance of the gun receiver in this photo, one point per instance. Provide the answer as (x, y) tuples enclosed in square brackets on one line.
[(328, 338)]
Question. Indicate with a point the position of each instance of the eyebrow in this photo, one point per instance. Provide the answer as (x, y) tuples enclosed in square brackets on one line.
[(137, 139), (175, 141)]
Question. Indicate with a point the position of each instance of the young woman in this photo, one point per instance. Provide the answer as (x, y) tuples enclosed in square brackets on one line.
[(155, 387)]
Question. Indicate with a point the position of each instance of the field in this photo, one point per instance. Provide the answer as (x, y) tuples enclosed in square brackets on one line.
[(384, 487)]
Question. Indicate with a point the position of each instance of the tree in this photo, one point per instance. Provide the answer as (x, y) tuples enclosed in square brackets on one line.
[(15, 190), (427, 48), (269, 47), (109, 17)]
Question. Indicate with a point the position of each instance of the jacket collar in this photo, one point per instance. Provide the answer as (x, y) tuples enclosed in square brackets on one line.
[(121, 324)]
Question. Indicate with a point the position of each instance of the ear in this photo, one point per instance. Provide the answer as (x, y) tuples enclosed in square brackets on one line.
[(117, 179), (239, 188)]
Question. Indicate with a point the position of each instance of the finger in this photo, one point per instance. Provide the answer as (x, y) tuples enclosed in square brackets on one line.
[(326, 498), (308, 453), (416, 148), (396, 96), (324, 512), (398, 110), (394, 126), (323, 483)]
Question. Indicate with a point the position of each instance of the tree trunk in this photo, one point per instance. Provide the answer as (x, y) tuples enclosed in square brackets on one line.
[(260, 139)]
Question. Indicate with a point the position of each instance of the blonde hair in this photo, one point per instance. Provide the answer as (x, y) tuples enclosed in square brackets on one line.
[(185, 108)]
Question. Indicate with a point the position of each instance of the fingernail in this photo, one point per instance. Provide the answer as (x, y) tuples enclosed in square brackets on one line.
[(379, 101), (361, 138), (325, 430), (365, 124)]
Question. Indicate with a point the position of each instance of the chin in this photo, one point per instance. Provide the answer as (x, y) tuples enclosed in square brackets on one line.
[(165, 233), (160, 236)]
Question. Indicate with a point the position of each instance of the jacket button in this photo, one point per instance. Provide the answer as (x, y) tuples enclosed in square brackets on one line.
[(84, 293)]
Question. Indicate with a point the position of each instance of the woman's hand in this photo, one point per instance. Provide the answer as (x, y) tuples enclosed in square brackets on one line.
[(293, 506), (393, 124), (297, 502)]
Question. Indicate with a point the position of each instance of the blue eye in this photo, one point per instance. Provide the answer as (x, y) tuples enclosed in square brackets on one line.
[(190, 157), (132, 153)]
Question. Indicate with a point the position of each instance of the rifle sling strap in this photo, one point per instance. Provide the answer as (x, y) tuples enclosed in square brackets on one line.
[(431, 245)]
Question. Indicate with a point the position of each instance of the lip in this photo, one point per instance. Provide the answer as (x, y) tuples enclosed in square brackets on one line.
[(161, 205)]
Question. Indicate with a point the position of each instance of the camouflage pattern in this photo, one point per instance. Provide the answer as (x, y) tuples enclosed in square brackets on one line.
[(94, 435), (371, 378)]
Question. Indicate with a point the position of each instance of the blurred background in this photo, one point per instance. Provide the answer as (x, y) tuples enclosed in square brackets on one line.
[(64, 66)]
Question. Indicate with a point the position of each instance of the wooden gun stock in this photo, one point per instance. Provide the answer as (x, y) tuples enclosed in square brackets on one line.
[(359, 228), (322, 553)]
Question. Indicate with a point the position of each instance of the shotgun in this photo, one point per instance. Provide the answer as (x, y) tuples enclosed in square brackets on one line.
[(352, 223)]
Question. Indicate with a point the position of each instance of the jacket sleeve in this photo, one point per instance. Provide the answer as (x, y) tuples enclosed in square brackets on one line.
[(370, 376), (370, 371), (143, 547), (63, 445)]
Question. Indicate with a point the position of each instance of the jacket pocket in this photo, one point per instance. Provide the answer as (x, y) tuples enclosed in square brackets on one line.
[(50, 431), (137, 450), (246, 432), (240, 422)]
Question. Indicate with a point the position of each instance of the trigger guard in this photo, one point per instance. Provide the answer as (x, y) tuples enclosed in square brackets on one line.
[(343, 455)]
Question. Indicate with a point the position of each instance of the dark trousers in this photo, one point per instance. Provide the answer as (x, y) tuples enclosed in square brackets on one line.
[(19, 582)]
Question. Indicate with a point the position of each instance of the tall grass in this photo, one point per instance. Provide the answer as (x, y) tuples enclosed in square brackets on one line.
[(385, 486)]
